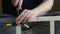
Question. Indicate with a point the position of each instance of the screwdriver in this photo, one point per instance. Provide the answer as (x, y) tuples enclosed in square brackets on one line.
[(8, 24), (25, 26)]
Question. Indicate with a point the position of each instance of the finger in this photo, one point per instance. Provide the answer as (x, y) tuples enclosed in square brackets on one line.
[(27, 18), (20, 5), (21, 18), (25, 11), (16, 2)]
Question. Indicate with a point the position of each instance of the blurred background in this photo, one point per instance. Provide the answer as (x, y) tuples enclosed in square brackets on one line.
[(0, 6), (56, 6)]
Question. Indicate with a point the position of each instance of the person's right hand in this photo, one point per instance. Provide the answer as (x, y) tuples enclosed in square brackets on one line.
[(17, 3)]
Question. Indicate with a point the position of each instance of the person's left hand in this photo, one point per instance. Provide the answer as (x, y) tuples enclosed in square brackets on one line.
[(26, 15), (17, 4)]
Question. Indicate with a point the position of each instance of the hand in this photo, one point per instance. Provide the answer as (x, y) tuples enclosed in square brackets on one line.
[(26, 15), (17, 3)]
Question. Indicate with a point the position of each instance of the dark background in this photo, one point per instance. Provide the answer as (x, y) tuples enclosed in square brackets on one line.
[(56, 6)]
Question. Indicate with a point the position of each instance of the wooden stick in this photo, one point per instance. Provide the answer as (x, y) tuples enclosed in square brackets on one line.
[(18, 29)]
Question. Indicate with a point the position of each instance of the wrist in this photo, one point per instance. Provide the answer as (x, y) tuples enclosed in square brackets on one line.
[(36, 12)]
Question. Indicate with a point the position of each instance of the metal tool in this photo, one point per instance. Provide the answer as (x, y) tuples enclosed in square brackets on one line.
[(25, 26)]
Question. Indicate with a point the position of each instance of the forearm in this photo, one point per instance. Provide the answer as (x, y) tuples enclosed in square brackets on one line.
[(44, 7)]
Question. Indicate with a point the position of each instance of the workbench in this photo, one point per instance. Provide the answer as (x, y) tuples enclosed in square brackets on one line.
[(17, 29)]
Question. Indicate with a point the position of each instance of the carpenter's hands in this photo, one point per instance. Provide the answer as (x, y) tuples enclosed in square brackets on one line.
[(17, 3), (26, 15)]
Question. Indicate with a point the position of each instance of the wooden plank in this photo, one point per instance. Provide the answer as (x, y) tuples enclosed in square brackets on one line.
[(52, 27), (46, 18), (18, 29)]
